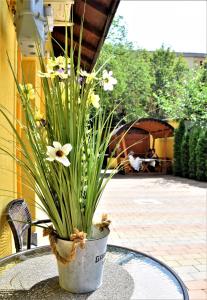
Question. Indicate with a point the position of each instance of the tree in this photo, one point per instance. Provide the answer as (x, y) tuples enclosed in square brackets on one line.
[(133, 73), (155, 84), (195, 98), (201, 155), (179, 133), (169, 73), (194, 134), (118, 33), (184, 154)]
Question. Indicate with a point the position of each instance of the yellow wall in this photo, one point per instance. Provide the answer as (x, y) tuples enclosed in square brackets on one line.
[(8, 100), (159, 146), (29, 71), (159, 143), (12, 185)]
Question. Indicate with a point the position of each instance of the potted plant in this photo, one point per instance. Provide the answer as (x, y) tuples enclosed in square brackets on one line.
[(64, 154)]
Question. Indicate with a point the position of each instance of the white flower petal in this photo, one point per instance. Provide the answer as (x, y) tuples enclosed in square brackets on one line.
[(84, 73), (105, 74), (62, 75), (50, 158), (51, 151), (113, 80), (105, 87), (66, 149), (63, 160), (57, 145), (108, 87)]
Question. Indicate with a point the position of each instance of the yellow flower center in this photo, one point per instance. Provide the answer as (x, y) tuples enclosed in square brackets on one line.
[(59, 153)]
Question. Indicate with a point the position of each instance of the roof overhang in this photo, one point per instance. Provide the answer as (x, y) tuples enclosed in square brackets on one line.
[(98, 15), (157, 128)]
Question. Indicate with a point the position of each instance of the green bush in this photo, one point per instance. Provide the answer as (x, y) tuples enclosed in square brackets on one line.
[(193, 139), (206, 168), (179, 133), (185, 154), (201, 155)]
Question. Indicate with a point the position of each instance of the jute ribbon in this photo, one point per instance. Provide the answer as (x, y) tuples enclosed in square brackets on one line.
[(78, 238), (105, 222)]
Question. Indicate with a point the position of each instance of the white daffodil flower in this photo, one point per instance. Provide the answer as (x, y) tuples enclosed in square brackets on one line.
[(56, 67), (93, 99), (108, 81), (84, 73), (89, 76), (28, 90), (59, 153), (39, 119)]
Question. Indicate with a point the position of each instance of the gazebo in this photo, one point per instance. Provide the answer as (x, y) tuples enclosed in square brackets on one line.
[(138, 136)]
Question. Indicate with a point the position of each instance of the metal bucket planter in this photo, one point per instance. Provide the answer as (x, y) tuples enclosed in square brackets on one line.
[(85, 273)]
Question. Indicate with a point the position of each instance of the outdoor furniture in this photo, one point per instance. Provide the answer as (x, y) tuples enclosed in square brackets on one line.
[(146, 163), (139, 136), (20, 222), (128, 275)]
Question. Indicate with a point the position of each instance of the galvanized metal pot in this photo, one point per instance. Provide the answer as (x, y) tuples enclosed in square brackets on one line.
[(85, 273)]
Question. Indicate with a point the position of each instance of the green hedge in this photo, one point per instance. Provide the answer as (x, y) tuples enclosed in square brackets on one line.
[(190, 152), (194, 134), (201, 155), (185, 155), (179, 133)]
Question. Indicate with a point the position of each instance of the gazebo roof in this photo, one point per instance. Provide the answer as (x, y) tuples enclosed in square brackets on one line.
[(97, 20), (157, 128)]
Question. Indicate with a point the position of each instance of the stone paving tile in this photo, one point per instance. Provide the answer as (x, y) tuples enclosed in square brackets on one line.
[(201, 268), (172, 263), (197, 295), (201, 260), (197, 285), (198, 275), (165, 217), (186, 269)]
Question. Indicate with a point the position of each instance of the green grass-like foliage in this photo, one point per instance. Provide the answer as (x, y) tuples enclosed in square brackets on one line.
[(74, 115)]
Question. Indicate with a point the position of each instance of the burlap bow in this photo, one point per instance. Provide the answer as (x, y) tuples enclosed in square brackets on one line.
[(104, 222), (78, 238)]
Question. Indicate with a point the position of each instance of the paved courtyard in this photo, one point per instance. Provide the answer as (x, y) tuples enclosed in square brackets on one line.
[(164, 217)]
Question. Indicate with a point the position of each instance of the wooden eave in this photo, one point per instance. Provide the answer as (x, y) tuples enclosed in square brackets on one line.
[(157, 128), (97, 20)]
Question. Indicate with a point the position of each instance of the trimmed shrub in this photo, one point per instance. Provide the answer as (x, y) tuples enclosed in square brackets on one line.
[(193, 139), (201, 155), (179, 133), (185, 154)]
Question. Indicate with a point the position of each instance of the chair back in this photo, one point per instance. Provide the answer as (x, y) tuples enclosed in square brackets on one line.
[(19, 219)]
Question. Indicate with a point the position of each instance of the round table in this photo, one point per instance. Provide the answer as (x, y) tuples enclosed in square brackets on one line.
[(128, 274)]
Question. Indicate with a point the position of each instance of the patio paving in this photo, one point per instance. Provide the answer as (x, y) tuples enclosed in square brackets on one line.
[(163, 216)]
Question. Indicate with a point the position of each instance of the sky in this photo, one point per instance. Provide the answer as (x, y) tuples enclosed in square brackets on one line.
[(180, 25)]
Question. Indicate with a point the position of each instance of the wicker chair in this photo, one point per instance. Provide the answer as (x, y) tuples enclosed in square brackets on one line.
[(20, 221)]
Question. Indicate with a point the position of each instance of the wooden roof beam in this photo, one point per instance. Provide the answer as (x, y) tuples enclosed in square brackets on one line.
[(98, 6), (83, 57), (84, 43), (84, 62), (86, 25), (110, 16)]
